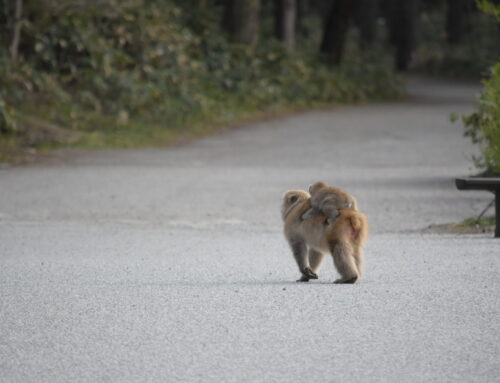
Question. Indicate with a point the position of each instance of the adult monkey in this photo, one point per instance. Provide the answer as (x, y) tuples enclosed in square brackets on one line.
[(312, 238)]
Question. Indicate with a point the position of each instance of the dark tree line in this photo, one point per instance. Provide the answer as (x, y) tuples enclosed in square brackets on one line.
[(402, 22), (241, 21), (285, 21), (335, 30)]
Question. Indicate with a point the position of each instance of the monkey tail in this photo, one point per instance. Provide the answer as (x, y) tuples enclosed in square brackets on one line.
[(356, 225), (356, 222)]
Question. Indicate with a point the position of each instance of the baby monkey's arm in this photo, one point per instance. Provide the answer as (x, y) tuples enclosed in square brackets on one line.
[(314, 211)]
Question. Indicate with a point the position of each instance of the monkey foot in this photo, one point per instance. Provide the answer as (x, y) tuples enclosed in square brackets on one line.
[(345, 281), (310, 274)]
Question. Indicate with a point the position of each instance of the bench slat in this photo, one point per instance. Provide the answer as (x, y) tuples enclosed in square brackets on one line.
[(478, 183)]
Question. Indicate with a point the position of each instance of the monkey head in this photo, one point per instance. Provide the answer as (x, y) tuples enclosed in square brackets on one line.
[(292, 198), (317, 186)]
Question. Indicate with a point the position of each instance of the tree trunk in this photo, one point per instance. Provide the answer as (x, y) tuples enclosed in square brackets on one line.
[(241, 20), (335, 30), (227, 21), (300, 28), (365, 16), (16, 38), (285, 16), (403, 16), (455, 20)]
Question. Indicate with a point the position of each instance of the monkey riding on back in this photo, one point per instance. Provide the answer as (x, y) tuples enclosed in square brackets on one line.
[(310, 239)]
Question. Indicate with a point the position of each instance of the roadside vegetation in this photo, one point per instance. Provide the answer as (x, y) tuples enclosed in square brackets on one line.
[(468, 226), (483, 126), (132, 73), (139, 73)]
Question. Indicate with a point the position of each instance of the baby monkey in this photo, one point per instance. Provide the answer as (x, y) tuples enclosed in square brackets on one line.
[(327, 200)]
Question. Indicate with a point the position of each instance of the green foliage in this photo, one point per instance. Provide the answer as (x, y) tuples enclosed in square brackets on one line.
[(7, 123), (486, 222), (487, 6), (483, 126), (137, 72)]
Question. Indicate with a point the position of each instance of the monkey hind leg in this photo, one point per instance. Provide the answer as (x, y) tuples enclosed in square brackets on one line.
[(344, 261), (360, 261), (310, 213), (299, 250), (308, 273), (315, 260), (346, 281)]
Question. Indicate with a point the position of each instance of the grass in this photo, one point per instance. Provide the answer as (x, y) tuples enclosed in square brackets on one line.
[(468, 226), (43, 126), (480, 223)]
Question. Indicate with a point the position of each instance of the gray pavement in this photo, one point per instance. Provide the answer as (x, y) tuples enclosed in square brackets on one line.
[(168, 265)]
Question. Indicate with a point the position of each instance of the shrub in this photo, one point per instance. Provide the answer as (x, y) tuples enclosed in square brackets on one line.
[(143, 69), (483, 126)]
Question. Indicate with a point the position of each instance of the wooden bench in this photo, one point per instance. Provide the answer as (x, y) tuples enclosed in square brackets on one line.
[(490, 184)]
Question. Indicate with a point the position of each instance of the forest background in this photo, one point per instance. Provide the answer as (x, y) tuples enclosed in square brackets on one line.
[(110, 73)]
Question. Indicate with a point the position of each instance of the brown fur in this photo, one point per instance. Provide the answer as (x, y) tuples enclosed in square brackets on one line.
[(328, 200), (312, 238)]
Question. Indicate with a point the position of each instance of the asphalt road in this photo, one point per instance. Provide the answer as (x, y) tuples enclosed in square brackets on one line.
[(169, 265)]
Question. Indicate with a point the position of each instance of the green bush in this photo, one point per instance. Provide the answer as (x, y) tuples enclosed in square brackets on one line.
[(7, 123), (136, 72), (483, 126)]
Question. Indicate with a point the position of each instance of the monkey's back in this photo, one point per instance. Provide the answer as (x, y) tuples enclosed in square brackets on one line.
[(319, 234)]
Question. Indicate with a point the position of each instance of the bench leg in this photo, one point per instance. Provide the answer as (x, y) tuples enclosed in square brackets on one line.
[(497, 213)]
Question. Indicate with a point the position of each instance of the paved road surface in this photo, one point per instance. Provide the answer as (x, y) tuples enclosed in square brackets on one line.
[(168, 265)]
